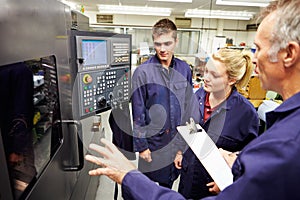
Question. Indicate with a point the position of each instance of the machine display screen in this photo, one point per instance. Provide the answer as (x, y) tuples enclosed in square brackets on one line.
[(94, 52)]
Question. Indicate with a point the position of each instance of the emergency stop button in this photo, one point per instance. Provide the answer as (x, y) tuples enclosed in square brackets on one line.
[(87, 79)]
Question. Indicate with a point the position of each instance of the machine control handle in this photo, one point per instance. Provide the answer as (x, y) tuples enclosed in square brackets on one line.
[(78, 166)]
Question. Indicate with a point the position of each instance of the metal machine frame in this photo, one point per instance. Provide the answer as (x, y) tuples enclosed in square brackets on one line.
[(41, 28)]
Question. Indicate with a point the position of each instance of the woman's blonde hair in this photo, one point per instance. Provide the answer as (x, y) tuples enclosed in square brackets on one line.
[(238, 64)]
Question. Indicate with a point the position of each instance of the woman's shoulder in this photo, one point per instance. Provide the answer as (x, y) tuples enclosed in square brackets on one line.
[(238, 100)]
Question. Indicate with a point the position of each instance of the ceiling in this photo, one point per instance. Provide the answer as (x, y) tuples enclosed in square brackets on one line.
[(177, 8)]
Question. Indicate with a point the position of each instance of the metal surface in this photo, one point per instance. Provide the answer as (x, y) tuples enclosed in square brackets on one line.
[(32, 30), (37, 29), (5, 189), (18, 38)]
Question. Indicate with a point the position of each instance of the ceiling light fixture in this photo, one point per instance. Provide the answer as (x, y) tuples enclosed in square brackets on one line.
[(219, 14), (134, 10), (175, 1), (72, 5), (253, 3)]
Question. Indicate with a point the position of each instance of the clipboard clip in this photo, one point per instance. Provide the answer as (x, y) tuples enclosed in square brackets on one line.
[(192, 126)]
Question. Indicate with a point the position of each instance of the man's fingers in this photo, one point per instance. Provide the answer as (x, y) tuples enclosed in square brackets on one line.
[(96, 160), (96, 172), (177, 166), (101, 150), (110, 146), (100, 171), (146, 158)]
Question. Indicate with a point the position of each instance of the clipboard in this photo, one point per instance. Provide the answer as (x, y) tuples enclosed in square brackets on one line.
[(208, 154)]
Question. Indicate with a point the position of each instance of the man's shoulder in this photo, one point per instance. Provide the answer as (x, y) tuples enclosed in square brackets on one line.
[(151, 60), (147, 67), (181, 62), (182, 66)]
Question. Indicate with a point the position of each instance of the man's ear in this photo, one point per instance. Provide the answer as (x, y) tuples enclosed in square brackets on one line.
[(292, 54), (176, 41)]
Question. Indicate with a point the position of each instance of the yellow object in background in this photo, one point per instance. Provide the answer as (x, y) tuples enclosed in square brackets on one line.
[(254, 92), (36, 118)]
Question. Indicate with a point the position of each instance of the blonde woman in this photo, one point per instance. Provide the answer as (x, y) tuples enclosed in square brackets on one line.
[(228, 117)]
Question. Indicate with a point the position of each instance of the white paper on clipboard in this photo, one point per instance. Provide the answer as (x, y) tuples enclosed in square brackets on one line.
[(208, 154)]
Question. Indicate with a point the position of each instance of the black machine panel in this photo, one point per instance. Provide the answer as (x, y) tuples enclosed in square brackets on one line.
[(101, 62), (30, 113)]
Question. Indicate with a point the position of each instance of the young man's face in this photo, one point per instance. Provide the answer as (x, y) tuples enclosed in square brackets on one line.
[(164, 46)]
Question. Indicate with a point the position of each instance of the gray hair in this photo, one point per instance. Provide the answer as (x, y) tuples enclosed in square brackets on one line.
[(286, 26)]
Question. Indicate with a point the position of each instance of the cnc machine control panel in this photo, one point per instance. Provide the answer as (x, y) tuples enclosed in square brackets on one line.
[(103, 89), (103, 63)]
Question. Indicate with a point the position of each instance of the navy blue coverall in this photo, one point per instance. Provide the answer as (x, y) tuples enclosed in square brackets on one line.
[(267, 168), (231, 126), (159, 100)]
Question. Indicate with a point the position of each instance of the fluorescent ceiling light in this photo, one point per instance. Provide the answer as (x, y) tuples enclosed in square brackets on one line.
[(72, 5), (219, 14), (174, 1), (134, 10), (253, 3)]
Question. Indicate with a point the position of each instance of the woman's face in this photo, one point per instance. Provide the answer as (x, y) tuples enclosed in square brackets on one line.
[(215, 77)]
